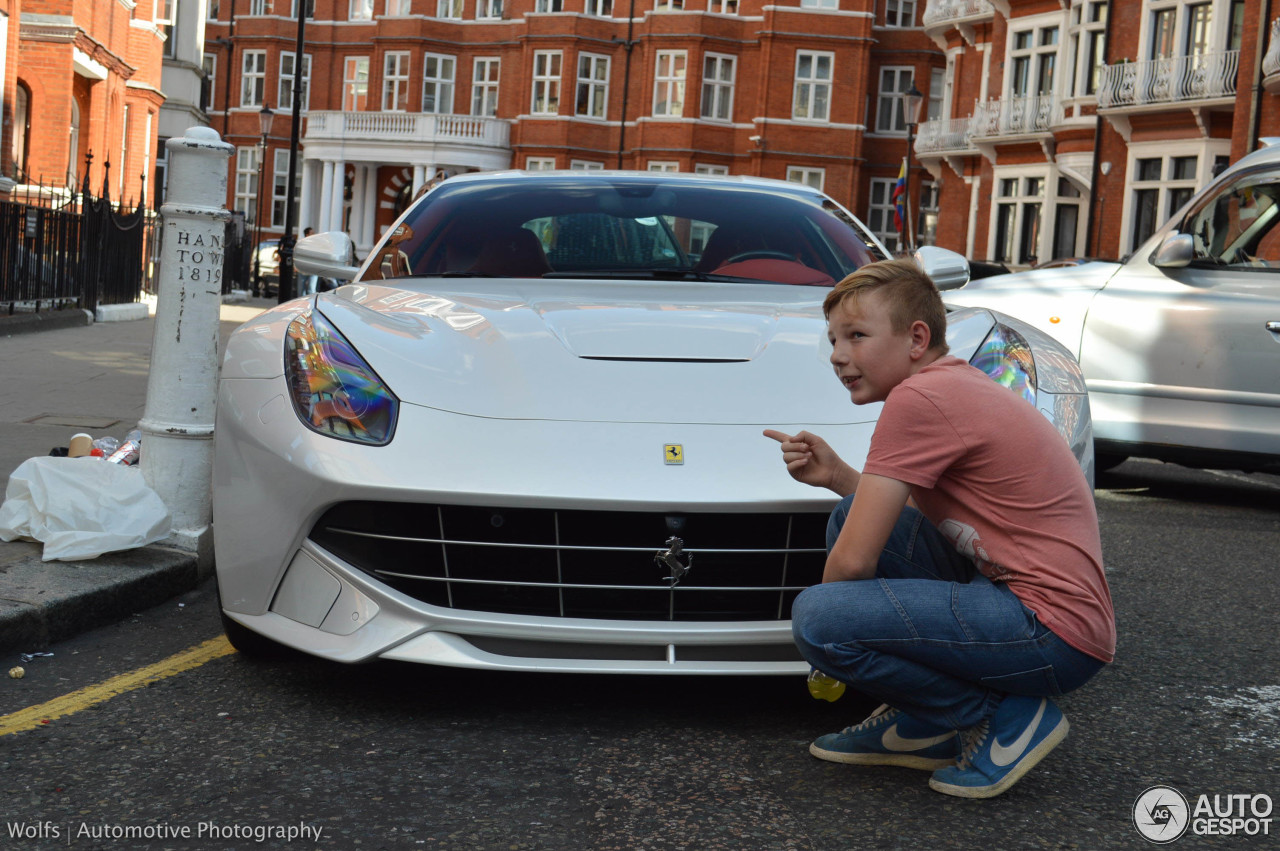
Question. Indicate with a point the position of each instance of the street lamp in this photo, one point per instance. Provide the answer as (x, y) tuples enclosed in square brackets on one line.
[(914, 100), (265, 117)]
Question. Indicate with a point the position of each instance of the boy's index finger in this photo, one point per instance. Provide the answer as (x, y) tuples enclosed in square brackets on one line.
[(777, 435)]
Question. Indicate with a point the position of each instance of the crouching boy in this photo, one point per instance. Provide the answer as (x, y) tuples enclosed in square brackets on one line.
[(963, 585)]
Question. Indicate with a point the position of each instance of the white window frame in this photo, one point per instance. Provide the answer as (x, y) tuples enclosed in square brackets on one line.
[(209, 67), (539, 163), (1206, 150), (811, 95), (284, 88), (668, 5), (548, 67), (1035, 54), (712, 169), (927, 216), (547, 6), (280, 188), (310, 7), (664, 166), (395, 80), (399, 8), (253, 80), (488, 10), (819, 4), (444, 78), (257, 7), (599, 8), (585, 165), (246, 194), (485, 74), (355, 83), (881, 211), (669, 75), (719, 73), (935, 106), (722, 7), (807, 175), (891, 100), (900, 10), (211, 10), (360, 10), (449, 10), (593, 83), (1013, 188), (1086, 40)]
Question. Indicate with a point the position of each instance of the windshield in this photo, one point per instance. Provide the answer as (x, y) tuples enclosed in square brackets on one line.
[(626, 227), (1237, 225)]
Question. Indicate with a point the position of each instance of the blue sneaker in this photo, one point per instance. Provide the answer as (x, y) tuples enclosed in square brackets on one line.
[(1002, 748), (890, 737)]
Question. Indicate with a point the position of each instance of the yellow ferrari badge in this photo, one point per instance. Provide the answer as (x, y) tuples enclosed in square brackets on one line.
[(673, 453)]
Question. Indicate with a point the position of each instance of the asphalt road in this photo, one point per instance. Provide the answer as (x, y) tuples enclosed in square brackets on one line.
[(395, 756)]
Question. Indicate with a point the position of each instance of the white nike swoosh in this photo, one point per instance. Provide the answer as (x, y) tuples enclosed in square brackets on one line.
[(893, 742), (1003, 755)]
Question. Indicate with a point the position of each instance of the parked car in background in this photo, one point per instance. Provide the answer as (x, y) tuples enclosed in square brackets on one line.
[(1180, 342), (268, 261), (527, 436)]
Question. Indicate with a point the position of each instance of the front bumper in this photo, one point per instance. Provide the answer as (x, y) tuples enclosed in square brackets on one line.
[(275, 481)]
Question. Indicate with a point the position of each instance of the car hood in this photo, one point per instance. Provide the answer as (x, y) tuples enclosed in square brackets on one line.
[(1054, 300), (599, 350), (1089, 277), (591, 350)]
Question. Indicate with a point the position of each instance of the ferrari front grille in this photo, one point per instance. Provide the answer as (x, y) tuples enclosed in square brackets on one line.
[(581, 564)]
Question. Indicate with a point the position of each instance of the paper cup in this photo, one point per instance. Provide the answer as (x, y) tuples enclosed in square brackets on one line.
[(80, 446)]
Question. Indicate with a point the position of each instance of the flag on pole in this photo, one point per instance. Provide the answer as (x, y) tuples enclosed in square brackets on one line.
[(899, 196)]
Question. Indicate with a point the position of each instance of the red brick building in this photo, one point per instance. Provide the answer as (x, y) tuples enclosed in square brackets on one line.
[(400, 91), (1077, 128), (82, 76), (1051, 128)]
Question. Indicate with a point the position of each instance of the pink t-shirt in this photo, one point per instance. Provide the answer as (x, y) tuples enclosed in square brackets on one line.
[(995, 477)]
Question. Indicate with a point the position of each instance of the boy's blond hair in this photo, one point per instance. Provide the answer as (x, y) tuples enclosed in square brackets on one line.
[(909, 293)]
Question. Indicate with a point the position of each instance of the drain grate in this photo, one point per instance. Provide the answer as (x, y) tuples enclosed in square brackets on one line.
[(73, 421)]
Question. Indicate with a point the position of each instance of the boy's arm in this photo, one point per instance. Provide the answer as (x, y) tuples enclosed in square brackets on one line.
[(877, 504)]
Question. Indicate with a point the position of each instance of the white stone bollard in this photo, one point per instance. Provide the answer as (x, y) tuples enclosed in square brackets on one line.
[(182, 388)]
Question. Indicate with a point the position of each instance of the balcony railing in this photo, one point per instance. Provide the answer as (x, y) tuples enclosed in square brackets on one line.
[(408, 127), (943, 135), (1015, 116), (1271, 62), (940, 12), (1177, 79)]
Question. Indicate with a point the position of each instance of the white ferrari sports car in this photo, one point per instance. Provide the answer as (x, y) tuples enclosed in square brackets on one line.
[(527, 434)]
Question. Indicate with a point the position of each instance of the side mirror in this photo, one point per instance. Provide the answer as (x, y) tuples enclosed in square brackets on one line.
[(331, 255), (949, 270), (1176, 251)]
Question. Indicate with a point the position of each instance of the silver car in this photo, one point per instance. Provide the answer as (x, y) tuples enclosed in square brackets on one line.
[(527, 436), (1180, 343)]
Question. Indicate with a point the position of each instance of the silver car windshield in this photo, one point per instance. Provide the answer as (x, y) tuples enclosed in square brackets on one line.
[(621, 227)]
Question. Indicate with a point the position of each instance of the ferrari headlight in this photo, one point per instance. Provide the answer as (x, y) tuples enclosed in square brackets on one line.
[(1006, 356), (333, 390)]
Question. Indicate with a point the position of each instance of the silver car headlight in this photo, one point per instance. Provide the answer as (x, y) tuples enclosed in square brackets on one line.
[(334, 391), (1006, 357)]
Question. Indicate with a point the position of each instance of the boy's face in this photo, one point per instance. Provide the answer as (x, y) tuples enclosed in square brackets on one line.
[(869, 357)]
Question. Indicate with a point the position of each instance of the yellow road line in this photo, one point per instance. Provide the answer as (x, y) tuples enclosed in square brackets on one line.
[(68, 704)]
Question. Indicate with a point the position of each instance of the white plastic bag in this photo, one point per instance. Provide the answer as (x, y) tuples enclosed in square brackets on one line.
[(81, 508)]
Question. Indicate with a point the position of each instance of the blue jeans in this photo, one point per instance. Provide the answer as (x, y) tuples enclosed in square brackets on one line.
[(930, 635)]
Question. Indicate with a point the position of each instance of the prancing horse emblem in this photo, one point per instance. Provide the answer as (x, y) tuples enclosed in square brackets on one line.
[(674, 559)]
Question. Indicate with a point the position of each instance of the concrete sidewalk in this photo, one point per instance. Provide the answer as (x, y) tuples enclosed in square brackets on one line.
[(81, 378)]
